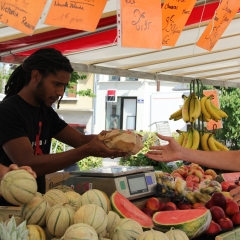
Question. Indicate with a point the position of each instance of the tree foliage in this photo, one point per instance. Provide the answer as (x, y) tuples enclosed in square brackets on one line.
[(230, 103)]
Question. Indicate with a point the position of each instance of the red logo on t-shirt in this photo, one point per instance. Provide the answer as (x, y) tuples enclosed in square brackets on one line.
[(38, 150)]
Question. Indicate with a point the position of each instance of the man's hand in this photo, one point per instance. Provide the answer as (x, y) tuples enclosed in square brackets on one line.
[(27, 168), (165, 153)]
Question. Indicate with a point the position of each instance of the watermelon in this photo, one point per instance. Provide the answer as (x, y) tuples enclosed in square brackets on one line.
[(193, 222), (228, 177), (125, 209)]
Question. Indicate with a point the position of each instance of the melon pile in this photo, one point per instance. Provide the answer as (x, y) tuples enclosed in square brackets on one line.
[(65, 214)]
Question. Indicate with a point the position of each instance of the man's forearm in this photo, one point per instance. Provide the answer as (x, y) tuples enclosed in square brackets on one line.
[(228, 160)]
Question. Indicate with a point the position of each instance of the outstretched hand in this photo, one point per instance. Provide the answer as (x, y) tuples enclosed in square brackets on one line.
[(165, 153)]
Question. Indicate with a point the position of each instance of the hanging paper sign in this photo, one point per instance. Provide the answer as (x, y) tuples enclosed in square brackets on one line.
[(22, 15), (139, 24), (175, 14), (81, 15), (222, 18)]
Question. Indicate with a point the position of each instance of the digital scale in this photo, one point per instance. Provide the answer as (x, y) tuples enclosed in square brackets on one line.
[(131, 182)]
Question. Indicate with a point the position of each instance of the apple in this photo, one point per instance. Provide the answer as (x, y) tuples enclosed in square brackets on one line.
[(209, 204), (148, 211), (168, 208), (152, 203), (217, 213), (231, 208), (171, 204), (218, 199), (225, 223), (236, 218), (182, 205), (213, 228), (161, 205)]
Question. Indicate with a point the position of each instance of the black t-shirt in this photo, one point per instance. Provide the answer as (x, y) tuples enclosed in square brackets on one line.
[(20, 119)]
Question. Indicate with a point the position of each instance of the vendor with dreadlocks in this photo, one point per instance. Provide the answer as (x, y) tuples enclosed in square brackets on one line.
[(28, 122)]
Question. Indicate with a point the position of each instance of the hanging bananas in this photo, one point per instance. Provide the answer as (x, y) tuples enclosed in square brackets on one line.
[(210, 111), (209, 143), (176, 115), (189, 139)]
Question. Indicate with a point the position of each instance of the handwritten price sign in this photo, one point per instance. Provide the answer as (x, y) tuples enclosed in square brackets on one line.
[(175, 14), (216, 27), (22, 15), (139, 24), (81, 15)]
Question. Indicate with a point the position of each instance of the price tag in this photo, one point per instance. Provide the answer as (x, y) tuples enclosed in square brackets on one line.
[(175, 14), (223, 16), (22, 15), (81, 15), (139, 24)]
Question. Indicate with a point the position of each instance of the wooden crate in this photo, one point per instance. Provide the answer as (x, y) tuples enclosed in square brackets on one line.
[(8, 212)]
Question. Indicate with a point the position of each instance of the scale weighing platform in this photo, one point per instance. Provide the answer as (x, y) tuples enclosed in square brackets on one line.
[(131, 182)]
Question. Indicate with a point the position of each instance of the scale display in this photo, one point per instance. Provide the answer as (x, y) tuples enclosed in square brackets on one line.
[(137, 184)]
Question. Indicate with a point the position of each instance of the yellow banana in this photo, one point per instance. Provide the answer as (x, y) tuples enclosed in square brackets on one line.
[(190, 139), (180, 138), (185, 108), (178, 117), (203, 108), (176, 114), (211, 143), (220, 146), (220, 112), (196, 139), (191, 107), (204, 142), (197, 109), (185, 139), (211, 111)]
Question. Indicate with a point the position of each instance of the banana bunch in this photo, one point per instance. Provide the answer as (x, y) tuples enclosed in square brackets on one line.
[(189, 139), (176, 115), (209, 143), (210, 111), (191, 108)]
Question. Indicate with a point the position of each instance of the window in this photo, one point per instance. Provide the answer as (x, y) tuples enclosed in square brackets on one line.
[(114, 78), (131, 79)]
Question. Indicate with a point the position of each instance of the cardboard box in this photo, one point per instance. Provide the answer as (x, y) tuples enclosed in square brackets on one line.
[(56, 179), (8, 212)]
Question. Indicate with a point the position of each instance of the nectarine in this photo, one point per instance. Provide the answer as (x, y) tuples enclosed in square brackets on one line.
[(152, 203)]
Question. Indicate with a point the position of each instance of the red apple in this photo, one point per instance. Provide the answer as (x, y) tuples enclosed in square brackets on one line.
[(209, 204), (218, 199), (213, 228), (217, 213), (231, 208), (152, 203), (236, 218), (168, 208), (182, 206), (161, 205), (148, 211), (171, 204), (225, 223)]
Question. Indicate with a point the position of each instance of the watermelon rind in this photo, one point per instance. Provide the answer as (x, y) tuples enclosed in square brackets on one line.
[(126, 209), (193, 227)]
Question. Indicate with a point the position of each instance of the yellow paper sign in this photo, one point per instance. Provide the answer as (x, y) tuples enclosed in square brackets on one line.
[(175, 14), (81, 15), (211, 125), (22, 15), (139, 24), (223, 16)]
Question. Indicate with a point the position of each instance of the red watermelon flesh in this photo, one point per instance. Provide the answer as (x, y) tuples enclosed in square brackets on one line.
[(126, 209), (193, 222), (230, 177)]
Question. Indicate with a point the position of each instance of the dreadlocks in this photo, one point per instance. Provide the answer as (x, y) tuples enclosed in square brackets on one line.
[(46, 61)]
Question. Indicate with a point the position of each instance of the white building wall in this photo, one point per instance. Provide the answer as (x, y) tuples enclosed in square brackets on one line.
[(142, 89)]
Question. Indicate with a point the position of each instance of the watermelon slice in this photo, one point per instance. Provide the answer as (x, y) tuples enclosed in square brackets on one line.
[(228, 177), (193, 222), (126, 209)]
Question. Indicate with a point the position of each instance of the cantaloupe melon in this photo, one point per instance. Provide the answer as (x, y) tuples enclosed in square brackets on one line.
[(93, 215), (74, 199), (35, 211), (59, 218), (178, 234), (18, 187), (97, 197), (113, 219), (79, 231), (55, 196), (35, 233), (127, 229), (153, 235)]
